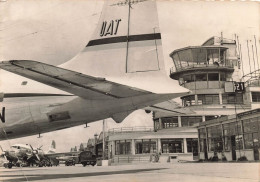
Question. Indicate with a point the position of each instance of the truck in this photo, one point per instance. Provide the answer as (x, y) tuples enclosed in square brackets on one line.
[(87, 158)]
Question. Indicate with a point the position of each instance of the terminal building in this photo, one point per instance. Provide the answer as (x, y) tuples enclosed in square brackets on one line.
[(212, 72)]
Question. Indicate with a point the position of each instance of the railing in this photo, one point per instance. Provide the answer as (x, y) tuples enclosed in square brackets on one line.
[(131, 158), (131, 129), (184, 67), (252, 79)]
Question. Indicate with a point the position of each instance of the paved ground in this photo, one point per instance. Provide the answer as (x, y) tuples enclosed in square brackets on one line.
[(153, 172)]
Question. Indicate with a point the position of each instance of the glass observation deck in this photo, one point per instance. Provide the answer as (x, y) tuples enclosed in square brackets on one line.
[(200, 57)]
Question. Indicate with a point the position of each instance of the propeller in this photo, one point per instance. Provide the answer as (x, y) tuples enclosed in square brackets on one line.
[(3, 153), (35, 153)]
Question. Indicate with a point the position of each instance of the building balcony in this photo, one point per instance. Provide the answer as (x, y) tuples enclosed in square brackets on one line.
[(175, 72), (213, 58), (130, 129)]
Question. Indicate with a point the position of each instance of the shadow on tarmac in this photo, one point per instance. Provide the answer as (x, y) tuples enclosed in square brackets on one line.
[(17, 178)]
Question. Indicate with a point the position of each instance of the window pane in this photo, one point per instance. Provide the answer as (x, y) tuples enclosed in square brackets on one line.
[(208, 99), (187, 78), (207, 118), (256, 96), (138, 146), (172, 145), (188, 100), (170, 122), (232, 98), (190, 120), (213, 77), (248, 138), (223, 77), (201, 77)]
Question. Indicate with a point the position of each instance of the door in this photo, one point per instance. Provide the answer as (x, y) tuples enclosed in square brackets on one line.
[(233, 147), (205, 149), (256, 146), (195, 147)]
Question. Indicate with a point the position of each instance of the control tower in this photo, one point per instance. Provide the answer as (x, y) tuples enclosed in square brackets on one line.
[(212, 72)]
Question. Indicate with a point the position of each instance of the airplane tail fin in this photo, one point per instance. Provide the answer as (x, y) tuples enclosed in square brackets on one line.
[(52, 148), (126, 40)]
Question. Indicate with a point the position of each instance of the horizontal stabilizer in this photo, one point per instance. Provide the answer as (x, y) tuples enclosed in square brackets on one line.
[(169, 106)]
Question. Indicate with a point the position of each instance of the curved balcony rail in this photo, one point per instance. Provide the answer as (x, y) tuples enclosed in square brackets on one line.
[(252, 79), (196, 66)]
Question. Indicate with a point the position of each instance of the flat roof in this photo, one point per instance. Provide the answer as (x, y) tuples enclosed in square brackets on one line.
[(198, 47), (213, 40), (230, 117)]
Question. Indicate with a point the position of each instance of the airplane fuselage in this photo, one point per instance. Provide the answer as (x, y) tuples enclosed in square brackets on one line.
[(30, 115)]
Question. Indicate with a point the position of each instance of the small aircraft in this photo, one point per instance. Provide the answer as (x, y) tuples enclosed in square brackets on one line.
[(120, 70), (21, 155)]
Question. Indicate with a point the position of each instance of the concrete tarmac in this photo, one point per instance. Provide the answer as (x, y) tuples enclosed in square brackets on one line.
[(148, 172)]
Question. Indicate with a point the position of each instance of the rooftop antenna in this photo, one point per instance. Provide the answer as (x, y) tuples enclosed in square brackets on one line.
[(248, 56), (221, 37), (242, 65), (256, 53), (237, 43), (253, 52)]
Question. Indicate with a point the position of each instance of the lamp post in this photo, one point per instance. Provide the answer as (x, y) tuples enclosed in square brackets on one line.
[(103, 151)]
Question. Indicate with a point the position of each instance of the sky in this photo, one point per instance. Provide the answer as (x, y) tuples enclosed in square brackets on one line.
[(53, 31)]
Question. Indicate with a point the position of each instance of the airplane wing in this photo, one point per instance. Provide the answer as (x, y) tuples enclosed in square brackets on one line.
[(61, 154), (85, 86), (169, 106)]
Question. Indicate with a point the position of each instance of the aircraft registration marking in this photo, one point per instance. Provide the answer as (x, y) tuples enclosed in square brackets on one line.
[(109, 29)]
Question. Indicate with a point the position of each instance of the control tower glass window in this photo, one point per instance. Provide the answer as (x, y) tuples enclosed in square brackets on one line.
[(256, 96), (200, 56), (188, 100), (201, 77), (213, 77), (208, 99), (232, 98)]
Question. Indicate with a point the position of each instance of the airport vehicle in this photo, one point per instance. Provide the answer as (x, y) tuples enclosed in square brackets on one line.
[(70, 162), (120, 70), (87, 158)]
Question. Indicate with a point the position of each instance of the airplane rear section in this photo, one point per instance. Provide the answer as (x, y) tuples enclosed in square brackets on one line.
[(127, 40), (120, 70)]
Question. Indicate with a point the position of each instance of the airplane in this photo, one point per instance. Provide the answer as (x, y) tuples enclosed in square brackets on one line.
[(21, 155), (120, 70)]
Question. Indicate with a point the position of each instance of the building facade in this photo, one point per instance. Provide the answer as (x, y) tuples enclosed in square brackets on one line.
[(212, 72), (231, 137), (219, 93), (140, 144)]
